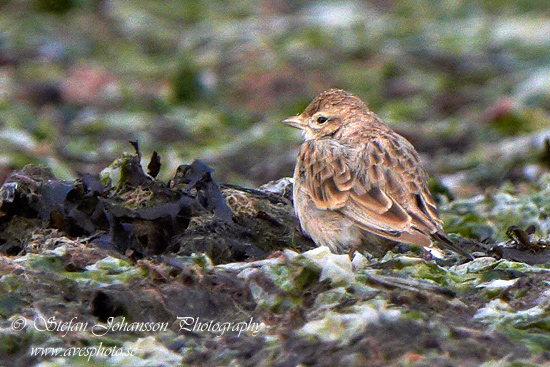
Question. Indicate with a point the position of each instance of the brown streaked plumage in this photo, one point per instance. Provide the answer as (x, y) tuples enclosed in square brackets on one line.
[(357, 183)]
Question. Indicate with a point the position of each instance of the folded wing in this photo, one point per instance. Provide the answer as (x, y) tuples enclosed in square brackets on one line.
[(380, 186)]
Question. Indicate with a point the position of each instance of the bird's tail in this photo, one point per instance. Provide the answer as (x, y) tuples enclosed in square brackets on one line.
[(447, 243)]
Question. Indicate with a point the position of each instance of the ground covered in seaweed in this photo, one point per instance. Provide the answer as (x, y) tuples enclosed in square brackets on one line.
[(123, 251), (107, 272)]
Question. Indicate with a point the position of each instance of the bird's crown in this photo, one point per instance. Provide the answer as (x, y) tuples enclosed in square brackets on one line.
[(338, 98)]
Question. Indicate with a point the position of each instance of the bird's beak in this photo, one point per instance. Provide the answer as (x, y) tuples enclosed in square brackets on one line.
[(295, 121)]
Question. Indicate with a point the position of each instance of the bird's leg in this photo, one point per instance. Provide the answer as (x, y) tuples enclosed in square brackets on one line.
[(351, 253)]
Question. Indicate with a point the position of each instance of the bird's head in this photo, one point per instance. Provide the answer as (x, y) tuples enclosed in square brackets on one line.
[(327, 113)]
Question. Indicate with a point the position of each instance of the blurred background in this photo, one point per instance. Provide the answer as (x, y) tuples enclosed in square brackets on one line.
[(467, 82)]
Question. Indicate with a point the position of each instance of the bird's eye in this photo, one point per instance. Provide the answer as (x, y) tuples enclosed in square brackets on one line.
[(322, 119)]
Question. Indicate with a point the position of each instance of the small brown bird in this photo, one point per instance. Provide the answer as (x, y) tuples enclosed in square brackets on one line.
[(358, 185)]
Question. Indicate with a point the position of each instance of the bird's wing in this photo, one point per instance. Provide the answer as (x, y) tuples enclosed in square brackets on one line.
[(380, 186)]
